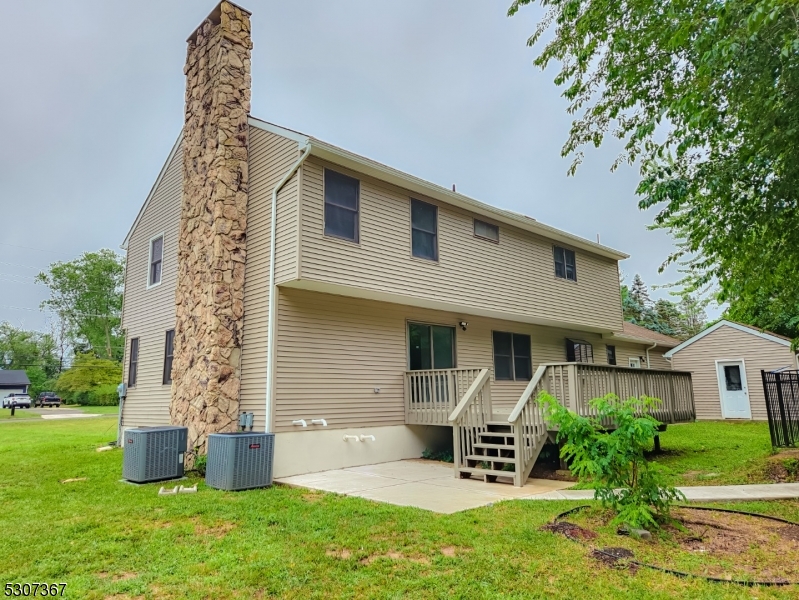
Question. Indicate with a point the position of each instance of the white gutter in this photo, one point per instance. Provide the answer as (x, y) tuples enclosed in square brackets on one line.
[(305, 152), (652, 347)]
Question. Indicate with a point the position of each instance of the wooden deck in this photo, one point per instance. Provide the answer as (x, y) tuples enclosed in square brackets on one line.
[(490, 446)]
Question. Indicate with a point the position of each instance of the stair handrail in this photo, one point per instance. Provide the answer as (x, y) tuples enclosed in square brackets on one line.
[(470, 395), (528, 391)]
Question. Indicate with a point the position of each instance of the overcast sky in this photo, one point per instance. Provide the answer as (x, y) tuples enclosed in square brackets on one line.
[(92, 102)]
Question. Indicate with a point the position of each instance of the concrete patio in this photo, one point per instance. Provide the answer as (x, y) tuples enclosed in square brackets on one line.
[(421, 483)]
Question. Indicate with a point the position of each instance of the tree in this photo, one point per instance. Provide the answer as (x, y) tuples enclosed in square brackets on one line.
[(90, 380), (639, 293), (86, 294), (705, 96), (30, 351), (681, 320)]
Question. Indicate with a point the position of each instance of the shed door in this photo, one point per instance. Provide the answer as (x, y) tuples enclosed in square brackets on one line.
[(733, 390)]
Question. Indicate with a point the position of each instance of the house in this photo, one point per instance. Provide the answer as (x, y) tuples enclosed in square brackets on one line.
[(725, 361), (373, 305), (13, 382)]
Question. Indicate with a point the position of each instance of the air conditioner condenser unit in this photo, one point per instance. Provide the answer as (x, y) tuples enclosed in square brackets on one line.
[(154, 453), (239, 461)]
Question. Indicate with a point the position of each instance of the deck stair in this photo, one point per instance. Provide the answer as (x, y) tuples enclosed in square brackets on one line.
[(494, 455)]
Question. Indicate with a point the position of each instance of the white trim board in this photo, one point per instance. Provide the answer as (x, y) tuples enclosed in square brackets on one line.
[(733, 325)]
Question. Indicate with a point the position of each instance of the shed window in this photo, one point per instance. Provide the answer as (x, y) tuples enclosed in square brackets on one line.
[(611, 350), (579, 351), (565, 266), (156, 260), (512, 357), (424, 230), (341, 205), (133, 362), (486, 230), (169, 350)]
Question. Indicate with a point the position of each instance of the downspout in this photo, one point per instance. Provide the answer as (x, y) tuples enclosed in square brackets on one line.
[(305, 151), (652, 347)]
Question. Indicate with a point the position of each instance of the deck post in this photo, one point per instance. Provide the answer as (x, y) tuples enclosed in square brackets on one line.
[(456, 447), (572, 371), (672, 400)]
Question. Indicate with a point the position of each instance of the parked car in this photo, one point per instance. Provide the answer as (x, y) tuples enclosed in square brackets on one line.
[(48, 399), (20, 400)]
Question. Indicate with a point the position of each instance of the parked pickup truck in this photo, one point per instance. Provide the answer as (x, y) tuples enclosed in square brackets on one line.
[(20, 400), (47, 399)]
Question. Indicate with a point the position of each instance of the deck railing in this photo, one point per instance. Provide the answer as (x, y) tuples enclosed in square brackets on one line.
[(430, 396), (529, 425), (470, 416), (576, 384)]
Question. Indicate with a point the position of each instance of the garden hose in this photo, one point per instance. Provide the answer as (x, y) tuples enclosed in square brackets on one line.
[(682, 573)]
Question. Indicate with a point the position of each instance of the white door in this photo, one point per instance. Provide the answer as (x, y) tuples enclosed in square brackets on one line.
[(733, 390), (635, 363)]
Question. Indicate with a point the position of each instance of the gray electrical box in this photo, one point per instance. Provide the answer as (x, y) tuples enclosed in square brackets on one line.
[(240, 461), (154, 453)]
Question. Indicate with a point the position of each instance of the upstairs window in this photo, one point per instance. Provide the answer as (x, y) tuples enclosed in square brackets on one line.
[(342, 195), (512, 357), (156, 260), (133, 362), (169, 351), (565, 266), (486, 230), (579, 351), (424, 230), (611, 350)]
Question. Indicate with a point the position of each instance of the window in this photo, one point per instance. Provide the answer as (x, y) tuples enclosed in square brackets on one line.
[(341, 205), (635, 363), (431, 347), (579, 351), (169, 350), (732, 378), (156, 260), (565, 267), (611, 350), (512, 359), (133, 364), (424, 230), (486, 230)]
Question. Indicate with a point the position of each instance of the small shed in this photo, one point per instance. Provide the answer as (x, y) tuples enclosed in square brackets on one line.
[(13, 382), (725, 361)]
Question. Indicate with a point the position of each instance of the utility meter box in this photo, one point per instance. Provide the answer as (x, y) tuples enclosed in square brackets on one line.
[(240, 461), (154, 453)]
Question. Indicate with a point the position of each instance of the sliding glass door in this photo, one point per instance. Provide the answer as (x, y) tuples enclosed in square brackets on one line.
[(431, 347)]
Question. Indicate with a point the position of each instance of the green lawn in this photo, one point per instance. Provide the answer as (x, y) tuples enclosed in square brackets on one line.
[(5, 413), (98, 410), (108, 539), (716, 452)]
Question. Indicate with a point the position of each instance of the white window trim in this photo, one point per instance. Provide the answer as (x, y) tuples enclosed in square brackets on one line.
[(150, 259), (636, 359), (743, 382)]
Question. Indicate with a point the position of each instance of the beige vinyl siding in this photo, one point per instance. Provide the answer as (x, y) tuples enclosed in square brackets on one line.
[(271, 156), (627, 350), (333, 351), (516, 276), (149, 313), (727, 343)]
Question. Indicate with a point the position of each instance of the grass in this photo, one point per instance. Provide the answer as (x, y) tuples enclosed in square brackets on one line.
[(21, 414), (716, 452), (98, 410), (109, 539)]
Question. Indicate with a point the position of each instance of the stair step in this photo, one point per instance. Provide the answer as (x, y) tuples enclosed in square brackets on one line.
[(478, 471), (490, 459), (493, 446), (498, 423), (495, 434)]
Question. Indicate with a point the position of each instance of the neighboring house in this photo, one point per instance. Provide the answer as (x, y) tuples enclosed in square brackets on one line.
[(391, 299), (13, 382), (725, 361)]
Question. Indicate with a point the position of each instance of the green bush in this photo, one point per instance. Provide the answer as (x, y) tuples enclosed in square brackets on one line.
[(90, 381), (440, 455), (200, 463), (614, 459)]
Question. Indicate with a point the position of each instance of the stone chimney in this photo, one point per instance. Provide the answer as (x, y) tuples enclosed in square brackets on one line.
[(212, 238)]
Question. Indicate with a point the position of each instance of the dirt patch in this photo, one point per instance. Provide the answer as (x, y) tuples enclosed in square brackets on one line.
[(422, 560), (454, 550), (616, 557), (546, 471), (782, 467), (312, 496), (74, 479), (124, 576), (570, 530), (343, 554), (218, 530)]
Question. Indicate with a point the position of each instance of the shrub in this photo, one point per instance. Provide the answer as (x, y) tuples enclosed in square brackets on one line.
[(614, 459), (200, 463), (440, 455)]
